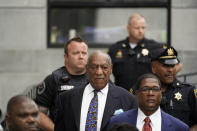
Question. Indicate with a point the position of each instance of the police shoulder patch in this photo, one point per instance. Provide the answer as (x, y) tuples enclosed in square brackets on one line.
[(195, 92), (107, 51), (41, 88), (119, 54)]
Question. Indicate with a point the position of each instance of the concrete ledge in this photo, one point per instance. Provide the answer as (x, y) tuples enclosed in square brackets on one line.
[(30, 60), (23, 3)]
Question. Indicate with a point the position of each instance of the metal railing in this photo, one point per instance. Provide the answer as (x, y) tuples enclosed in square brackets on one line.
[(31, 91), (186, 76)]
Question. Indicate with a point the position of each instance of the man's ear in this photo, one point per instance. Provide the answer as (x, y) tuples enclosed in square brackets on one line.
[(86, 67), (137, 93), (111, 69), (65, 56), (153, 64), (128, 28), (7, 119)]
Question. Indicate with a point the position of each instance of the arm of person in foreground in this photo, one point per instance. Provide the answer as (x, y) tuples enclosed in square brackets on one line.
[(45, 122)]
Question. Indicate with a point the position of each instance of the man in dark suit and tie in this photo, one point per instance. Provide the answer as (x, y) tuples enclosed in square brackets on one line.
[(149, 116), (91, 107)]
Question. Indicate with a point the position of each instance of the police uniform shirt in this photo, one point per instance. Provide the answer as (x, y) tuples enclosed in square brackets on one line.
[(128, 63), (60, 80), (180, 101)]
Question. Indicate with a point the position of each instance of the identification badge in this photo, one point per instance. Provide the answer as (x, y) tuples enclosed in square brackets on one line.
[(66, 87), (178, 96), (124, 45), (145, 52)]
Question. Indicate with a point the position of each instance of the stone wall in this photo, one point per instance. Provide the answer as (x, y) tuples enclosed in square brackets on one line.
[(25, 59)]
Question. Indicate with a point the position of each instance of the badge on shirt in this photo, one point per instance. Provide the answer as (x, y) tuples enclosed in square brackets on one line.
[(145, 52), (119, 54), (107, 51), (41, 88), (195, 92), (66, 87), (178, 96), (124, 45), (142, 45)]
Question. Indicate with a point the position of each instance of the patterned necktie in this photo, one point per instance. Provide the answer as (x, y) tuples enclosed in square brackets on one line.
[(91, 121), (147, 126)]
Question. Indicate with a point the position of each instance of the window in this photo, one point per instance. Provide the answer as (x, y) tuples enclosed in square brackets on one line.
[(102, 23)]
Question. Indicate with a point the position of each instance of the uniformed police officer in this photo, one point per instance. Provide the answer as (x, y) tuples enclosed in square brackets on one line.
[(131, 57), (179, 99), (73, 74)]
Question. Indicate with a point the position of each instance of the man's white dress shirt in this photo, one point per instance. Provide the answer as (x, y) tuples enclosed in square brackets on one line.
[(155, 120), (88, 94)]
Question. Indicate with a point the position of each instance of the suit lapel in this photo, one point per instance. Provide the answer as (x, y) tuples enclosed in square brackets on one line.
[(110, 106), (165, 125), (76, 105), (133, 117)]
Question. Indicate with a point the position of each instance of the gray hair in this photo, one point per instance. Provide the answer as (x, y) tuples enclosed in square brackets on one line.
[(100, 53)]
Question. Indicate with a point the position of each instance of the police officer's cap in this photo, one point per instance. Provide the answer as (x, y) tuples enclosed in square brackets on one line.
[(165, 55)]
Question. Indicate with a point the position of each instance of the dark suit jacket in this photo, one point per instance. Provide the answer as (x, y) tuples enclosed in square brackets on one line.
[(69, 107), (169, 123)]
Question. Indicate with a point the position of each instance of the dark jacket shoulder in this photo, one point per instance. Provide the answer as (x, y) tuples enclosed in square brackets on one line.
[(119, 91), (150, 44), (174, 121), (177, 83)]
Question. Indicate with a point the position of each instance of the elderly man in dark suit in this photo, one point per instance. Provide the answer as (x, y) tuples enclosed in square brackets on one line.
[(149, 116), (90, 108)]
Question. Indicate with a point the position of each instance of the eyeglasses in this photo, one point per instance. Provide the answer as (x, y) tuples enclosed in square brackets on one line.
[(147, 89)]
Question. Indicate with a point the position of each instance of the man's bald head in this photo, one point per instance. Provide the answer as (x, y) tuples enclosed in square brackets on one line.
[(17, 100), (136, 28), (135, 16)]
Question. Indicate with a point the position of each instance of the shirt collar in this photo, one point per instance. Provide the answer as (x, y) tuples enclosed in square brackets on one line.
[(104, 91), (155, 116), (132, 45), (152, 117)]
